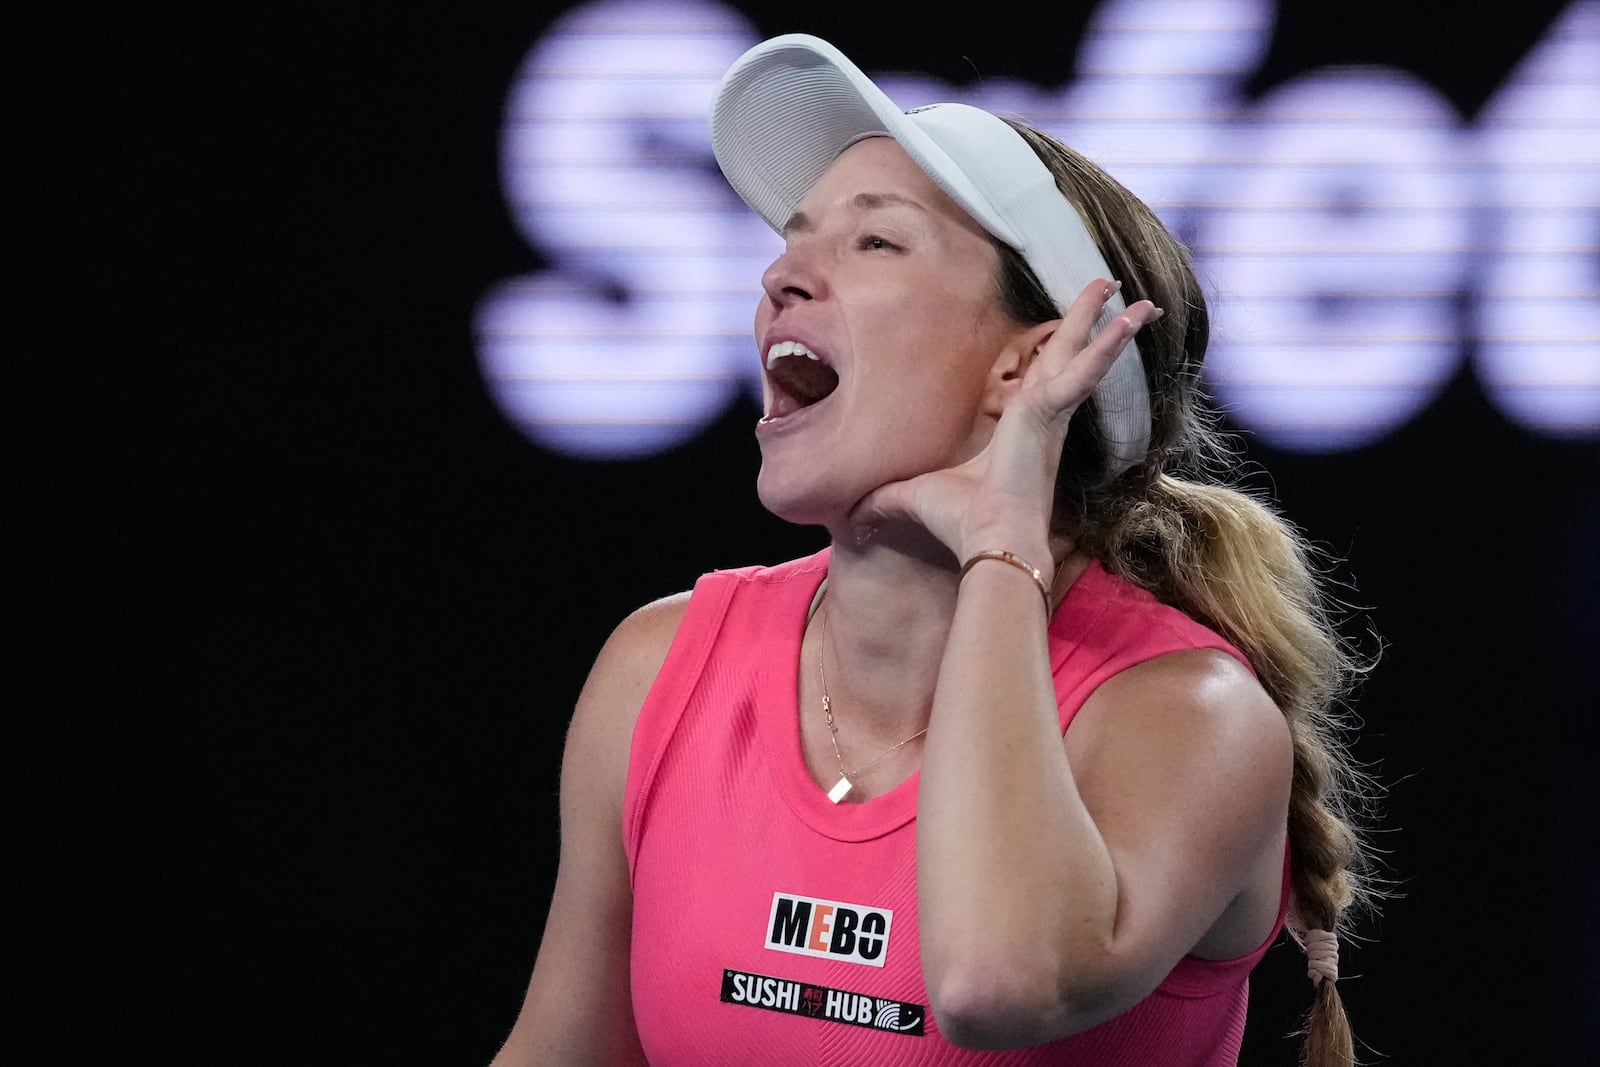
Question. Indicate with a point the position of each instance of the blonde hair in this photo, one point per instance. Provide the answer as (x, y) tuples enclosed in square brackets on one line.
[(1213, 551)]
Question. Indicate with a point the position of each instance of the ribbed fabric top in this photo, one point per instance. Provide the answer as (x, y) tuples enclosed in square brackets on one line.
[(773, 927)]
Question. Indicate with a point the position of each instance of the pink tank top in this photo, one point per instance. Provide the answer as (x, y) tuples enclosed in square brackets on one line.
[(773, 928)]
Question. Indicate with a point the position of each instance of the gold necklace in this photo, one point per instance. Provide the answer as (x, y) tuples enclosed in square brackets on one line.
[(842, 787)]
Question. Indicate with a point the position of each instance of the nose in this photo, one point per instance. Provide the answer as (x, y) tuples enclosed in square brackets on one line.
[(793, 277)]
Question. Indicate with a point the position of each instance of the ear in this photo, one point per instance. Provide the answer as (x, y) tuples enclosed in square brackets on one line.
[(1009, 369)]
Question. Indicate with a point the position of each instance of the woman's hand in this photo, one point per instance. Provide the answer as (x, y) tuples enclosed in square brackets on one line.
[(1002, 497)]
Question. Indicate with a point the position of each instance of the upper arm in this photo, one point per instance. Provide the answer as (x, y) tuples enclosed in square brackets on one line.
[(571, 1013), (1185, 766)]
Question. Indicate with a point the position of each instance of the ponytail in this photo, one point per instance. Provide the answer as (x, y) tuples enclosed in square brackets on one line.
[(1328, 1041), (1230, 562), (1215, 553)]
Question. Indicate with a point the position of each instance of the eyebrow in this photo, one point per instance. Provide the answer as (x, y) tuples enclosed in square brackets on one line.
[(800, 222)]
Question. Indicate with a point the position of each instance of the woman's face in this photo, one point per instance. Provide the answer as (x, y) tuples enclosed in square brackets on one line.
[(891, 286)]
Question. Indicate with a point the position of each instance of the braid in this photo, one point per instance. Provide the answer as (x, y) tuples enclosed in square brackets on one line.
[(1214, 552)]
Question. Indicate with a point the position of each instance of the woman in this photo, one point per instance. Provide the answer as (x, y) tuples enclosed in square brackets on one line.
[(831, 811)]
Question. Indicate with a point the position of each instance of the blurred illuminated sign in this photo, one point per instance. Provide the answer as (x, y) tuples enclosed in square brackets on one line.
[(1338, 222)]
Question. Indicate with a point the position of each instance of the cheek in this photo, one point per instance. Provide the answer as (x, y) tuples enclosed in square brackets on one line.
[(924, 403), (922, 325), (943, 348)]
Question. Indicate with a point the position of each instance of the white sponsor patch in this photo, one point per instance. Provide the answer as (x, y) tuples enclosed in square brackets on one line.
[(829, 929)]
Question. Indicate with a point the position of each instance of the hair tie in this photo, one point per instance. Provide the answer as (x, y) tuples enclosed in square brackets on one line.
[(1322, 956)]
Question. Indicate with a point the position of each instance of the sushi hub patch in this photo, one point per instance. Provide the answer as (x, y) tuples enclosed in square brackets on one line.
[(820, 1002)]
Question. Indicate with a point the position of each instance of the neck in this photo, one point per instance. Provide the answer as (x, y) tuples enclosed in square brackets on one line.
[(890, 605), (888, 618)]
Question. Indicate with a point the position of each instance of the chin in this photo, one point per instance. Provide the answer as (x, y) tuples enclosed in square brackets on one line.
[(797, 502)]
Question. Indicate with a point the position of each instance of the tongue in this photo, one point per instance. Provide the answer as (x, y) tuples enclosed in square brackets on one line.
[(805, 380)]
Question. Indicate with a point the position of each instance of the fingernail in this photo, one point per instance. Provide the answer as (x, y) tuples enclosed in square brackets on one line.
[(1110, 289), (1156, 314)]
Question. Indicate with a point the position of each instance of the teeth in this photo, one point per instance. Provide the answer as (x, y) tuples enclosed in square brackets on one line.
[(789, 348)]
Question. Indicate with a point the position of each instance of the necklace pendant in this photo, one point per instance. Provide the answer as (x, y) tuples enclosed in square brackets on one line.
[(841, 789)]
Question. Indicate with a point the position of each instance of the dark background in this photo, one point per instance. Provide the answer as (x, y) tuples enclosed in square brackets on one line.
[(304, 617)]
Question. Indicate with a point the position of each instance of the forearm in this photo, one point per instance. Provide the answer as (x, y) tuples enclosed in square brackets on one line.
[(1017, 892)]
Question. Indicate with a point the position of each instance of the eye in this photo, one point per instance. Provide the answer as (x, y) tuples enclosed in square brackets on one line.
[(873, 243)]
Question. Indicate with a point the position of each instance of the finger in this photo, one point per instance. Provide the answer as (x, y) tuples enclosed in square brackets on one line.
[(884, 504), (1080, 321), (1084, 311), (1073, 376)]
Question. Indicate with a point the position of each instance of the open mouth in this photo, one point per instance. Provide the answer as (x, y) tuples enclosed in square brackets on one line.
[(797, 378)]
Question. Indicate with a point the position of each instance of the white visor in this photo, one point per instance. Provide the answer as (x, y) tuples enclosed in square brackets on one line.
[(789, 106)]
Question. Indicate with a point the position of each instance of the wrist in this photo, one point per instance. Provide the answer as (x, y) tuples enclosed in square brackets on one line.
[(998, 560), (1035, 546)]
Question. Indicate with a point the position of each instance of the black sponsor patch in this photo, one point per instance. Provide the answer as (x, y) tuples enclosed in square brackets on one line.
[(819, 1002)]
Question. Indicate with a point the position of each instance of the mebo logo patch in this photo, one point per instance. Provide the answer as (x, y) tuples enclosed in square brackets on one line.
[(829, 929), (820, 1002)]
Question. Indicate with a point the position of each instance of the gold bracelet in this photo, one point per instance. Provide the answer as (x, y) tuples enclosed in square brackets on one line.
[(1016, 561)]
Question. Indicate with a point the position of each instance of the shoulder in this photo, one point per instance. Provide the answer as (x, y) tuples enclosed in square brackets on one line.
[(1186, 766), (1201, 701), (1189, 747), (642, 639), (1184, 740), (1113, 611), (600, 733), (632, 657)]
